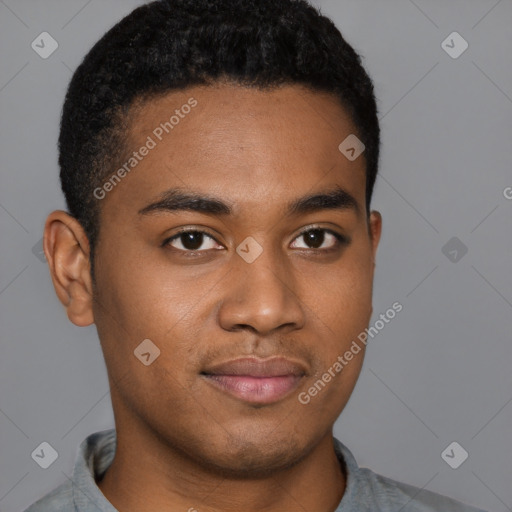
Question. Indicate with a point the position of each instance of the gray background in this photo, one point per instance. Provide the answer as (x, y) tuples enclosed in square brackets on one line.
[(439, 372)]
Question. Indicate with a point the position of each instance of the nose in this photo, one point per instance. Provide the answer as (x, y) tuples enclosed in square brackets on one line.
[(262, 296)]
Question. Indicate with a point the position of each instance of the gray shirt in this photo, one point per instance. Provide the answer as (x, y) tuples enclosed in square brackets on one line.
[(365, 490)]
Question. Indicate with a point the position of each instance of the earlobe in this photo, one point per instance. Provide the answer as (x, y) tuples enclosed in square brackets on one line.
[(67, 252)]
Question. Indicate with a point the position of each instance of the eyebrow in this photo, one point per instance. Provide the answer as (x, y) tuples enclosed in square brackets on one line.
[(176, 199)]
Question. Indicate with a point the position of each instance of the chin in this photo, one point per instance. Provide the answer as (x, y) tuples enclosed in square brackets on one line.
[(255, 463), (244, 458)]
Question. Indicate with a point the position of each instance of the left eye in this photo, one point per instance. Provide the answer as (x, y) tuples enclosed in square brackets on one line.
[(317, 236)]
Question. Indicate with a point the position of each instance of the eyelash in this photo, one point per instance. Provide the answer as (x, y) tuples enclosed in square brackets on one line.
[(341, 240)]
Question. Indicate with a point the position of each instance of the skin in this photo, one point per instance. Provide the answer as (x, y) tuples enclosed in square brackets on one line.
[(182, 443)]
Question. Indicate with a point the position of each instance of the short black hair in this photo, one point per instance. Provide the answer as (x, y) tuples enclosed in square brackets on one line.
[(170, 45)]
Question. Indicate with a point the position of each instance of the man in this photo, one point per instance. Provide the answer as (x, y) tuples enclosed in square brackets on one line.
[(218, 159)]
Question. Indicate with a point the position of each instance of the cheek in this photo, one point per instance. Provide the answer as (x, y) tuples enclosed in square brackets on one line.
[(340, 295), (140, 300), (137, 288)]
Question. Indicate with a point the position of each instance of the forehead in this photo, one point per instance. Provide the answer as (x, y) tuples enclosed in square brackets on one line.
[(253, 147)]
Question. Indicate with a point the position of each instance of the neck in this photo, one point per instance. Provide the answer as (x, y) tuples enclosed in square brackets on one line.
[(147, 476)]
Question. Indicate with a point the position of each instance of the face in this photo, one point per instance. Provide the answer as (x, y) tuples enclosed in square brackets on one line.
[(254, 303)]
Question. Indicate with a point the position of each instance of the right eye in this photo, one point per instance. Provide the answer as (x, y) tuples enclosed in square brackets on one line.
[(190, 240)]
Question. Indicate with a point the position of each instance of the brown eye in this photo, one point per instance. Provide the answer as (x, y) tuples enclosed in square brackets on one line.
[(191, 240), (315, 238)]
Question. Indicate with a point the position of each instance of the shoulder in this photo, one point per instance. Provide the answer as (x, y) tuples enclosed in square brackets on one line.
[(368, 491), (58, 500), (93, 457), (390, 493)]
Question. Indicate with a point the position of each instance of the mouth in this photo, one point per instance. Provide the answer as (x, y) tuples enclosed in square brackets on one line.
[(256, 381)]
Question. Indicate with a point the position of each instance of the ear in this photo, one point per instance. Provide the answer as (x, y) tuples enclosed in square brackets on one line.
[(67, 251), (375, 228)]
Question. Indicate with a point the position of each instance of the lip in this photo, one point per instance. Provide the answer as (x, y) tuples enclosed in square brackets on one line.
[(257, 381)]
